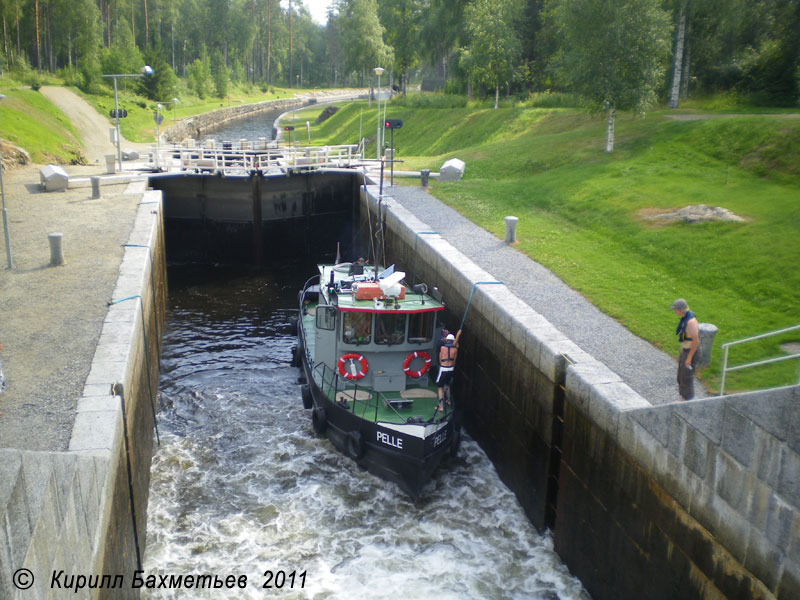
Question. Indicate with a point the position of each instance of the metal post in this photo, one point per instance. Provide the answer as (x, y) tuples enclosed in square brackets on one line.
[(116, 119), (724, 369), (378, 131), (10, 264)]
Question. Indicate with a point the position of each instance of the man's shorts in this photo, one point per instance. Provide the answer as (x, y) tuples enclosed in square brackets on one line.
[(445, 376)]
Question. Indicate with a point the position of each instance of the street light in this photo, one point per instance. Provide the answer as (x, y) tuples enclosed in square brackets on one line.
[(158, 118), (174, 104), (10, 264), (147, 71), (378, 71)]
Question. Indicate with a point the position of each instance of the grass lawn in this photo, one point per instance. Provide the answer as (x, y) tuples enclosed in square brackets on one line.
[(580, 211), (30, 121)]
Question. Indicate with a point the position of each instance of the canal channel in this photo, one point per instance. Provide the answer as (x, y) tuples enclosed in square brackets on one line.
[(242, 485)]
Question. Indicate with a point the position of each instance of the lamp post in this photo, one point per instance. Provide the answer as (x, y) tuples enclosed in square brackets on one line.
[(174, 105), (158, 118), (10, 264), (146, 72), (378, 71)]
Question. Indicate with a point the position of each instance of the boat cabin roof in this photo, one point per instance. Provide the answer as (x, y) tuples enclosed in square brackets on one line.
[(337, 286)]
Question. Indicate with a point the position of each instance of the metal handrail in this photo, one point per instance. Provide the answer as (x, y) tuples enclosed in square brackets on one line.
[(253, 157), (726, 346)]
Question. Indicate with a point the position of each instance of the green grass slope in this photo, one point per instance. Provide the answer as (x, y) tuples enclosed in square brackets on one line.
[(581, 210), (31, 121)]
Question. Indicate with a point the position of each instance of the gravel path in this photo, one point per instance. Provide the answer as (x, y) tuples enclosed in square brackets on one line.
[(51, 317), (643, 367), (91, 125)]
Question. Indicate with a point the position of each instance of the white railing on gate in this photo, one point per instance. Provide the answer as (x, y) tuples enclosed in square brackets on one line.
[(246, 157), (726, 369)]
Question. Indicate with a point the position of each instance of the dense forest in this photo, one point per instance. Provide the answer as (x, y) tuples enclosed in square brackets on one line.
[(623, 53)]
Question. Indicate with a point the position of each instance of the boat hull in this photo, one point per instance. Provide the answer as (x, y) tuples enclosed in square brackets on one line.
[(389, 451)]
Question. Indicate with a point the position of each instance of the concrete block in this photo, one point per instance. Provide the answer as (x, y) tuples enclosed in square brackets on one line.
[(789, 478), (731, 529), (767, 461), (96, 403), (763, 560), (582, 380), (772, 410), (757, 499), (553, 343), (730, 481), (64, 475), (10, 467), (677, 430), (695, 455), (655, 421), (107, 372), (738, 436), (98, 430), (117, 334), (53, 178), (452, 170), (705, 416), (780, 517), (18, 521)]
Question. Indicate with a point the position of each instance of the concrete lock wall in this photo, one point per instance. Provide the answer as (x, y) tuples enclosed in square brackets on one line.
[(687, 500), (69, 514)]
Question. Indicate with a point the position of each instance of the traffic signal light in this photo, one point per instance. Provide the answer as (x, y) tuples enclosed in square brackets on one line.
[(392, 124), (121, 113), (289, 128)]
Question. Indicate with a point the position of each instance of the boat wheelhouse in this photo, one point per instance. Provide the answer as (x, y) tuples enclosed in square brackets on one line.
[(367, 344)]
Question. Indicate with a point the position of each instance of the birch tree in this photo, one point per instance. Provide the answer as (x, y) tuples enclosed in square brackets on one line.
[(494, 46), (680, 37), (613, 52)]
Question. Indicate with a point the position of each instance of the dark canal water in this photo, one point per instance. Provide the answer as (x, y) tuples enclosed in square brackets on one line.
[(241, 485)]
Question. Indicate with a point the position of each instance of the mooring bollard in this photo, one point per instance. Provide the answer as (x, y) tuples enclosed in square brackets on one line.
[(95, 186), (707, 331), (423, 175), (511, 229), (56, 255)]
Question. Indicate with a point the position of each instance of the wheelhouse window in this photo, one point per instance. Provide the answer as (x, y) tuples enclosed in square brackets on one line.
[(326, 317), (356, 327), (390, 328), (420, 327)]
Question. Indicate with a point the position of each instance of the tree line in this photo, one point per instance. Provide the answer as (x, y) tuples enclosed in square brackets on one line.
[(622, 52)]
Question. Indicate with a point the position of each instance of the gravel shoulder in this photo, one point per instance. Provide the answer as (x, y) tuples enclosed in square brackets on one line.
[(51, 317)]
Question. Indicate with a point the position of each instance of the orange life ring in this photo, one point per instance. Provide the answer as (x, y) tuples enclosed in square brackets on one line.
[(407, 364), (349, 374)]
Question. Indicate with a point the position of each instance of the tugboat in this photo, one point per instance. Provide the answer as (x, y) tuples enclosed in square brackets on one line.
[(367, 345)]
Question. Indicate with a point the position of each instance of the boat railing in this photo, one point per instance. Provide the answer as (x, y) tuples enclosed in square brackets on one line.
[(329, 382)]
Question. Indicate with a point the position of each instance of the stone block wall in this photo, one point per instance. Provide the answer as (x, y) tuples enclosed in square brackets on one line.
[(199, 126), (74, 511)]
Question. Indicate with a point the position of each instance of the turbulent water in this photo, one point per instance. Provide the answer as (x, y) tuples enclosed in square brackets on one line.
[(241, 485)]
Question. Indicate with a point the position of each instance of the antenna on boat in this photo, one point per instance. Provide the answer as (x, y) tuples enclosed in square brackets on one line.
[(338, 256)]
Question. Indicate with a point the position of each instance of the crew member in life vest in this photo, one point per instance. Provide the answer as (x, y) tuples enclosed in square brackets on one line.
[(447, 362), (688, 332)]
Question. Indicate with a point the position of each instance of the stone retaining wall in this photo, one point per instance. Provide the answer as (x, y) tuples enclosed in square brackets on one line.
[(199, 126), (687, 500), (72, 514)]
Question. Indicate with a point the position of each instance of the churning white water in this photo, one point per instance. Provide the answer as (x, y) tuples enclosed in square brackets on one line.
[(241, 485)]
